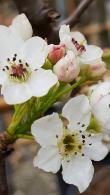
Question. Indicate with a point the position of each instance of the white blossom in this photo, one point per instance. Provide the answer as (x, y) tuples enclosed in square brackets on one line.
[(21, 74), (69, 144), (87, 54)]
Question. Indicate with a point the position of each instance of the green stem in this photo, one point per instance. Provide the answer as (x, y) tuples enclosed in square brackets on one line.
[(17, 117), (54, 98), (24, 136)]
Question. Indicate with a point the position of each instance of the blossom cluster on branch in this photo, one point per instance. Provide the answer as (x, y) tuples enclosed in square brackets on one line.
[(34, 76)]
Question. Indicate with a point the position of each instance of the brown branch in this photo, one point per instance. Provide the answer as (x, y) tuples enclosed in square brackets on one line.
[(3, 178), (73, 19), (5, 150)]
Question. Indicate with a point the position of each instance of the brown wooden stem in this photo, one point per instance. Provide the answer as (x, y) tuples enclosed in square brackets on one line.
[(73, 19), (5, 150), (3, 177)]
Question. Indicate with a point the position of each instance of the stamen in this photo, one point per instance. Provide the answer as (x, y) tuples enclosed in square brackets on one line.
[(83, 136), (14, 59), (20, 61), (7, 67), (27, 64), (8, 59), (83, 141), (78, 46)]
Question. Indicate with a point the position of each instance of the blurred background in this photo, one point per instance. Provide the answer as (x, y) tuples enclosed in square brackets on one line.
[(23, 179)]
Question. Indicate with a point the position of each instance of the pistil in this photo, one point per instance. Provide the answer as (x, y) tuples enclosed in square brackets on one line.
[(17, 70)]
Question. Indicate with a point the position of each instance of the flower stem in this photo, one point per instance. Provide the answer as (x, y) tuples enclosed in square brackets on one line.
[(25, 136), (20, 111), (60, 92)]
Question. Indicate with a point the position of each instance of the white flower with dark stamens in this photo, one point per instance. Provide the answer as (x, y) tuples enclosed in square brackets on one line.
[(21, 74), (100, 102), (21, 27), (76, 42), (69, 145)]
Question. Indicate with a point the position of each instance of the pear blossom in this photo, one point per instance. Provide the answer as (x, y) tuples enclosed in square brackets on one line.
[(86, 54), (69, 144), (56, 53), (21, 27), (100, 104), (67, 68), (21, 75)]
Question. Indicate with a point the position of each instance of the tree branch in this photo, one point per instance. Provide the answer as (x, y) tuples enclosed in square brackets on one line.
[(73, 19), (3, 178)]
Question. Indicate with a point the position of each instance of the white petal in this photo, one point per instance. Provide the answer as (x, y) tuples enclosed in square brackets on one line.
[(22, 27), (16, 93), (48, 159), (99, 91), (92, 54), (77, 111), (101, 111), (64, 30), (41, 81), (35, 51), (3, 76), (79, 37), (66, 38), (79, 171), (97, 151), (47, 130), (9, 43)]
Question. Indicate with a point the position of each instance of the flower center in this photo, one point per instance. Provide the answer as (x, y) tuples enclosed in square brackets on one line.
[(73, 143), (70, 144), (79, 47), (17, 70)]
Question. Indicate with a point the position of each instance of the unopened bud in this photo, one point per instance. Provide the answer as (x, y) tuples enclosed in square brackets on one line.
[(67, 69), (56, 53)]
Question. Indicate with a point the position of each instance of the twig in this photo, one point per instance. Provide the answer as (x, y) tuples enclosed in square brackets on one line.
[(73, 19), (3, 178)]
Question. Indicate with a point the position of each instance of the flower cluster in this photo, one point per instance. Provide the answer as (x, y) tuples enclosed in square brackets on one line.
[(34, 76)]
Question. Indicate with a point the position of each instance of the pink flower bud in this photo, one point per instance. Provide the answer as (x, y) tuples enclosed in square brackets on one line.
[(67, 69), (56, 53)]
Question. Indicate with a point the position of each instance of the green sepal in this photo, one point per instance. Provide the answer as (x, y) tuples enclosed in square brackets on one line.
[(94, 126)]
